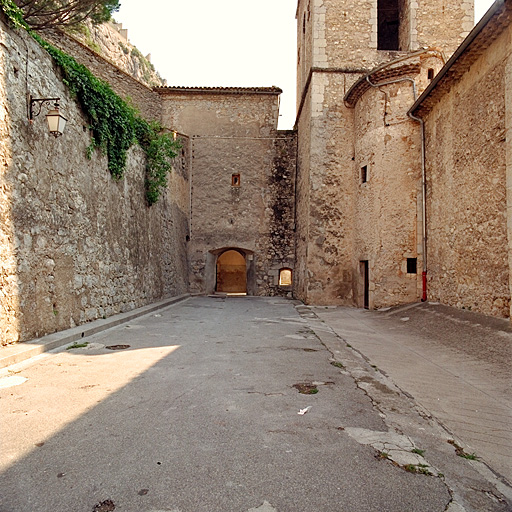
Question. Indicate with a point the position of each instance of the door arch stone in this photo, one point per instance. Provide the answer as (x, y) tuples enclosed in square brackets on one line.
[(231, 272), (212, 264)]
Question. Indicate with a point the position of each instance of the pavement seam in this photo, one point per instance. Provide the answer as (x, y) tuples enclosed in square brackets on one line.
[(323, 330)]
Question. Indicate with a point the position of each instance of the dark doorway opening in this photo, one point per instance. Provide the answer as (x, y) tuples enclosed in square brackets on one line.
[(231, 273), (388, 25), (365, 271)]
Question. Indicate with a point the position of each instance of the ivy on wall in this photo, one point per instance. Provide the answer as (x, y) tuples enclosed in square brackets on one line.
[(115, 125)]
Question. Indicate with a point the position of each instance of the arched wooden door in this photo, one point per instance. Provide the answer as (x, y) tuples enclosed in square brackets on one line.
[(231, 272)]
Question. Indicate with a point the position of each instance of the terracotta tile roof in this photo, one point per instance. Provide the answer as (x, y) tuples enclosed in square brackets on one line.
[(401, 68), (217, 90)]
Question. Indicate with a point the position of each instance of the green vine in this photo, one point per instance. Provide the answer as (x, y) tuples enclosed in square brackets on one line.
[(160, 149), (115, 125)]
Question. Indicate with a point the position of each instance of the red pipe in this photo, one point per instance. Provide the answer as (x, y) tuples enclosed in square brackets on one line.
[(424, 278)]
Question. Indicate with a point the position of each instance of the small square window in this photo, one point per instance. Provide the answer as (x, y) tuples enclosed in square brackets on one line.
[(430, 74), (364, 174), (412, 265), (235, 180)]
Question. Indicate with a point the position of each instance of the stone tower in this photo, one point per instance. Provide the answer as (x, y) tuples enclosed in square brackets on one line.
[(360, 66)]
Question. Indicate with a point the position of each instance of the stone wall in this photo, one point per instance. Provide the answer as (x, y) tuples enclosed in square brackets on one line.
[(343, 33), (468, 248), (280, 211), (141, 96), (331, 220), (305, 43), (387, 182), (75, 245), (350, 29), (233, 133), (302, 200), (388, 153), (331, 211)]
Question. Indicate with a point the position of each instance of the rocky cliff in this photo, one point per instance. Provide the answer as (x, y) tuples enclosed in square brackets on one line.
[(110, 40)]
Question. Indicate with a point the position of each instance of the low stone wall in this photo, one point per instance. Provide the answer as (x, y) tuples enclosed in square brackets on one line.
[(75, 245)]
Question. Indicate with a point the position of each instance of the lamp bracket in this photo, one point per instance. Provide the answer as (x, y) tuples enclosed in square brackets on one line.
[(37, 104)]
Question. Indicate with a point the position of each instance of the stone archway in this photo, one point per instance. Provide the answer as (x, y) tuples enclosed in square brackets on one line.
[(231, 272)]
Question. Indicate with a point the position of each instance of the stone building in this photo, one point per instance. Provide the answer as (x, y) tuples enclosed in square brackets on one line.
[(393, 187), (242, 174), (467, 115), (360, 67)]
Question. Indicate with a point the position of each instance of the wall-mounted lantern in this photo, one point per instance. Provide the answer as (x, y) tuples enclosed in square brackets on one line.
[(56, 121)]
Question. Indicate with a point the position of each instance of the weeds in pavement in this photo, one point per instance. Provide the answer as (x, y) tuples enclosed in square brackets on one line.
[(77, 345), (460, 451), (421, 469), (306, 388)]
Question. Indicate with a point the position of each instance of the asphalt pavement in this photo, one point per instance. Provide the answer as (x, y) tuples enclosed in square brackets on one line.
[(227, 404), (455, 363)]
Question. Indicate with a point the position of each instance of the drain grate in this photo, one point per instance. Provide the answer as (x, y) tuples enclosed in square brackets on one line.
[(118, 347)]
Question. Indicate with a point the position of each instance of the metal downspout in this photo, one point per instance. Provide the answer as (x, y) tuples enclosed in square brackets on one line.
[(423, 179), (424, 206)]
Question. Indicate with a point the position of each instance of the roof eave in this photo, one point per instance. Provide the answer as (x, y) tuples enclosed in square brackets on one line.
[(273, 91), (460, 50)]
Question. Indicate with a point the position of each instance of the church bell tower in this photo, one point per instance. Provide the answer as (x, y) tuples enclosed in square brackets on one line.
[(356, 143)]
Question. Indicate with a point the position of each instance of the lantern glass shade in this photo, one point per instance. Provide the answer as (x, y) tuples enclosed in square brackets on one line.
[(56, 122)]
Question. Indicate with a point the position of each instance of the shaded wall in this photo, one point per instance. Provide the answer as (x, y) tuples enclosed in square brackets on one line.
[(233, 133), (75, 245), (468, 247)]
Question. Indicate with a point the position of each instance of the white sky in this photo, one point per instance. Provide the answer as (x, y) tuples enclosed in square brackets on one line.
[(229, 43)]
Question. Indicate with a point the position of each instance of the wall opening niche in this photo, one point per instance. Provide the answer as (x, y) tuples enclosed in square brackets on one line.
[(364, 174), (364, 267), (231, 273), (393, 25), (388, 24), (285, 277), (235, 180)]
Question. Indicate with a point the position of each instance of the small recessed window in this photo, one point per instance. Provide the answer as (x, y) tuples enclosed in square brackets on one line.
[(364, 174), (235, 180), (430, 74), (412, 265), (285, 277)]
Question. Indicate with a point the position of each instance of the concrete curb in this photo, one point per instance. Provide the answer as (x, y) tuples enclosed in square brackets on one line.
[(12, 354)]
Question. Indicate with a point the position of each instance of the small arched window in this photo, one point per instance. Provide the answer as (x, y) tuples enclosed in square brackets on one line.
[(285, 277)]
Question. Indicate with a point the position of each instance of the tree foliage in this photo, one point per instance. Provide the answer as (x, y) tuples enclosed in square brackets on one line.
[(41, 14)]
